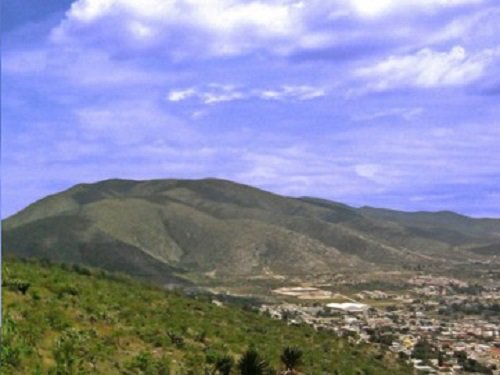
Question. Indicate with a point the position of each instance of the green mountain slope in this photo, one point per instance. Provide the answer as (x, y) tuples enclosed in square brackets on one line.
[(166, 229), (444, 225), (81, 321)]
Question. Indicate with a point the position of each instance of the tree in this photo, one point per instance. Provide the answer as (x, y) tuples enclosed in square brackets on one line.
[(252, 364), (291, 359), (424, 350), (441, 358)]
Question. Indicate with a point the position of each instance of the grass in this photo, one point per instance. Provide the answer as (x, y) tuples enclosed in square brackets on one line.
[(74, 320)]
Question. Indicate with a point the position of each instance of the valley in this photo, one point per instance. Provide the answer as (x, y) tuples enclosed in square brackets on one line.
[(422, 288)]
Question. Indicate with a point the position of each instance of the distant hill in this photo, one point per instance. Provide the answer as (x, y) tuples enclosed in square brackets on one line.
[(169, 230), (58, 320)]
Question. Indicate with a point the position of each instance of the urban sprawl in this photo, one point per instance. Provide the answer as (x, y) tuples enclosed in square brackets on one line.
[(441, 325)]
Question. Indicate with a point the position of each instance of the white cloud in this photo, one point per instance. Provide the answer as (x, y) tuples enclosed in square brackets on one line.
[(218, 93), (370, 7), (287, 92), (180, 95), (296, 170), (216, 15), (212, 27), (374, 8), (222, 93), (212, 94), (383, 176), (186, 29), (428, 68), (367, 170), (473, 30)]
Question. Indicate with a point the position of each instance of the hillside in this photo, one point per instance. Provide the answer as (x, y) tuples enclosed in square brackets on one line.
[(178, 231), (61, 320)]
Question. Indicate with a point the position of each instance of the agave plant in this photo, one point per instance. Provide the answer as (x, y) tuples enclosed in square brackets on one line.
[(252, 364), (291, 359)]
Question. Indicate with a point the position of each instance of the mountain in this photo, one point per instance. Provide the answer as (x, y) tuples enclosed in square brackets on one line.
[(58, 320), (180, 230)]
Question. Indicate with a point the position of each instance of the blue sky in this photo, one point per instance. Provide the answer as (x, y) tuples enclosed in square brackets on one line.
[(386, 103)]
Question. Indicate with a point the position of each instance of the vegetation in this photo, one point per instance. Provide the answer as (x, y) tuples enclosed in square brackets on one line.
[(87, 321), (425, 351), (472, 307), (291, 359), (204, 231), (251, 363), (471, 365)]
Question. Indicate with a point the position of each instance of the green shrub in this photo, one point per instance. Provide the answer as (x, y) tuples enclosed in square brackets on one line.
[(10, 350), (81, 270), (56, 318), (35, 295), (177, 340), (17, 285), (66, 289), (145, 364), (73, 352)]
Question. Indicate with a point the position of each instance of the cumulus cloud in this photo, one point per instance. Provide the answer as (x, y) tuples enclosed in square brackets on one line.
[(210, 27), (428, 68), (206, 28)]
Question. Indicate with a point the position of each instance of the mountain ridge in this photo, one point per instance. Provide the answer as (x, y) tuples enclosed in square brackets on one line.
[(165, 228)]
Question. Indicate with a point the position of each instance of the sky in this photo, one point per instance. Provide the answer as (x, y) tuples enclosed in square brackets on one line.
[(387, 103)]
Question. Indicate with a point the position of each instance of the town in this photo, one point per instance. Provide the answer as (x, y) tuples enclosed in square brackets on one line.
[(441, 325)]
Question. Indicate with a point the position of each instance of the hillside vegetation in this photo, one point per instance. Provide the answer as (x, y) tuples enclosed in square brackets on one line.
[(169, 230), (74, 320)]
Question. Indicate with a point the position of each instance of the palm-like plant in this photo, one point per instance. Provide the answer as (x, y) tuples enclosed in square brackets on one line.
[(224, 365), (252, 364), (291, 359)]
